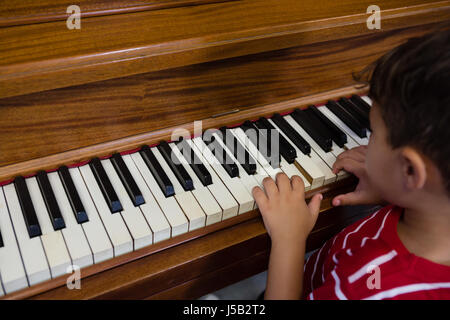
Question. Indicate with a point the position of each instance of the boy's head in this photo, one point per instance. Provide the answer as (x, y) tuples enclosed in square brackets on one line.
[(409, 149)]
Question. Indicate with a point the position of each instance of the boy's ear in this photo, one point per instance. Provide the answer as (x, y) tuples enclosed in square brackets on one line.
[(413, 168)]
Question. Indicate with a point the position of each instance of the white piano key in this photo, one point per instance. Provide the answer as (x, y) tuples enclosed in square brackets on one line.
[(224, 198), (11, 268), (114, 224), (185, 199), (237, 189), (328, 157), (94, 229), (288, 169), (324, 160), (253, 150), (151, 210), (204, 197), (262, 164), (312, 166), (169, 206), (315, 176), (367, 99), (249, 181), (260, 173), (291, 170), (52, 241), (134, 220), (330, 115), (336, 150), (73, 234), (33, 255)]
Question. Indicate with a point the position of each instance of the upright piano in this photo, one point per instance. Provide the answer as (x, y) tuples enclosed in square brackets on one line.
[(88, 181)]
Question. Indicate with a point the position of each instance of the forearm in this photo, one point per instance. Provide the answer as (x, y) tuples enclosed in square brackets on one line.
[(285, 273)]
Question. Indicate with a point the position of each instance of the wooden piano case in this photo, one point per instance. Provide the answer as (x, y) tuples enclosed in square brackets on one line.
[(136, 70)]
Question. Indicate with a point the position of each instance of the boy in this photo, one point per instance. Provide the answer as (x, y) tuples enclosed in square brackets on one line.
[(403, 250)]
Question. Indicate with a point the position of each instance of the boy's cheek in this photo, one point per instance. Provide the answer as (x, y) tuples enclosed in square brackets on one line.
[(371, 163), (382, 176), (376, 169), (377, 161)]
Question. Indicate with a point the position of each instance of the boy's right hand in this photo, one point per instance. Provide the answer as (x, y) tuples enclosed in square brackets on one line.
[(353, 161)]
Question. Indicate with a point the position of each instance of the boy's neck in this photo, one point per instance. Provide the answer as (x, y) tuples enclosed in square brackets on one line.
[(425, 230)]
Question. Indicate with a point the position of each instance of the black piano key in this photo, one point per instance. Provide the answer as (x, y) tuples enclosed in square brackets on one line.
[(360, 102), (262, 143), (197, 166), (345, 117), (362, 109), (105, 186), (177, 168), (362, 117), (338, 136), (286, 149), (254, 138), (29, 214), (291, 133), (158, 173), (240, 153), (50, 201), (224, 159), (1, 240), (127, 180), (72, 195), (316, 133)]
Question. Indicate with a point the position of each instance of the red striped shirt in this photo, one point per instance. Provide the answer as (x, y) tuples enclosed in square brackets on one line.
[(367, 260)]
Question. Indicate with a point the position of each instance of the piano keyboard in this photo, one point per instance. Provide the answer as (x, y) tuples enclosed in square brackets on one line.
[(91, 213)]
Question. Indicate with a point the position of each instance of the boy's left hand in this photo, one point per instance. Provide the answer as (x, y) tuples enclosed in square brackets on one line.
[(287, 217)]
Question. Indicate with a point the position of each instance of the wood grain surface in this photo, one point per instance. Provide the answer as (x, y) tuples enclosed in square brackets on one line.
[(52, 122), (20, 12), (46, 56)]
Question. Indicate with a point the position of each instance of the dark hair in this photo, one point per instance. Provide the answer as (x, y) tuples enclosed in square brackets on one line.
[(411, 85)]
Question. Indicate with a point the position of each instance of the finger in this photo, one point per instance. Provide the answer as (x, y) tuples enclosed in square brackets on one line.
[(351, 198), (270, 187), (360, 149), (354, 153), (314, 204), (298, 185), (259, 196), (349, 165), (283, 182)]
